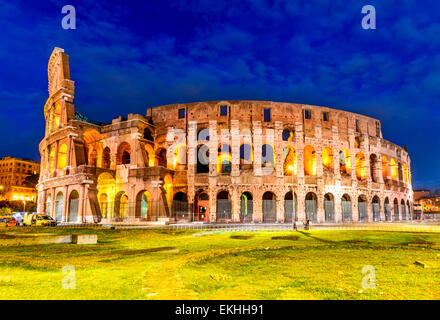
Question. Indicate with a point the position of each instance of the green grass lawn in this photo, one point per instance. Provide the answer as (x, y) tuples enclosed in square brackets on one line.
[(140, 264)]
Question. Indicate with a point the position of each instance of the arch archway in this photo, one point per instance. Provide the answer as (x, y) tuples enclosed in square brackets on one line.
[(224, 159), (311, 206), (376, 208), (106, 158), (403, 209), (123, 155), (103, 205), (329, 207), (387, 209), (393, 169), (363, 208), (309, 161), (290, 207), (409, 210), (246, 156), (290, 161), (62, 156), (202, 158), (143, 205), (269, 207), (73, 206), (121, 205), (202, 206), (361, 169), (347, 215), (327, 159), (344, 162), (49, 205), (180, 207), (161, 157), (246, 207), (396, 209), (224, 206), (267, 156), (374, 168), (59, 205)]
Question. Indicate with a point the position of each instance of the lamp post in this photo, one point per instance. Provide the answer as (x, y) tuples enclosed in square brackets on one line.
[(293, 201)]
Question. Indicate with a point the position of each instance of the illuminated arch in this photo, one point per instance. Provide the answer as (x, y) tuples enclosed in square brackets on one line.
[(290, 161), (309, 161), (384, 166), (393, 169), (327, 158), (224, 159), (361, 169), (345, 161), (106, 158), (56, 116), (51, 158), (405, 173), (62, 156)]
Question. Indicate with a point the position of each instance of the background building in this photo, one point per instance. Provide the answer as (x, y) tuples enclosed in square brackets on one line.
[(267, 162), (16, 179)]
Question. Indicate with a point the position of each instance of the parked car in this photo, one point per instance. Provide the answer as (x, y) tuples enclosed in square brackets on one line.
[(38, 220), (8, 222)]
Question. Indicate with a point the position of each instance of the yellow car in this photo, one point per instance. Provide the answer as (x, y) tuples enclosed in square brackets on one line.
[(38, 220)]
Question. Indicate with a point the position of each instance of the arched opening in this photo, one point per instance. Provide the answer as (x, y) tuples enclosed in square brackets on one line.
[(329, 207), (400, 171), (403, 209), (56, 116), (121, 205), (346, 208), (180, 207), (246, 156), (103, 205), (393, 169), (345, 162), (148, 135), (106, 159), (143, 205), (384, 167), (224, 159), (203, 159), (49, 205), (59, 206), (179, 157), (327, 159), (363, 208), (311, 206), (202, 207), (267, 156), (62, 156), (269, 207), (376, 208), (73, 206), (246, 207), (51, 159), (290, 163), (123, 154), (287, 135), (93, 157), (387, 209), (309, 161), (405, 173), (361, 169), (396, 209), (409, 210), (289, 207), (374, 168), (161, 157), (224, 206), (203, 135)]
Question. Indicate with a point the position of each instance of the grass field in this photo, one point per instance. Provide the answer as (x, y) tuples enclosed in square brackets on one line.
[(140, 264)]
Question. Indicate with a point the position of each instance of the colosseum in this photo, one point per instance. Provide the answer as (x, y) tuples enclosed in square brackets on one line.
[(218, 161)]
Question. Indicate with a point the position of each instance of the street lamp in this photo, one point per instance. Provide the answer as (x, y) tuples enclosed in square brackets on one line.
[(293, 200)]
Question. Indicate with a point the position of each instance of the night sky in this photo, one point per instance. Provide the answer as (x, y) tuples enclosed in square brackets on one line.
[(127, 57)]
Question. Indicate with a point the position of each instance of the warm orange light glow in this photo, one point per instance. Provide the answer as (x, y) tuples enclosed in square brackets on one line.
[(51, 159), (345, 161), (309, 161), (290, 163), (384, 166), (62, 156), (327, 158), (393, 169), (405, 173), (361, 169)]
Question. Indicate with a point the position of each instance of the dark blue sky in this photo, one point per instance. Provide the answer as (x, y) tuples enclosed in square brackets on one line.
[(126, 57)]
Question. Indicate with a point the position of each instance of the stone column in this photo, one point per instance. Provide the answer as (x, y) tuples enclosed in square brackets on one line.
[(65, 203), (81, 208)]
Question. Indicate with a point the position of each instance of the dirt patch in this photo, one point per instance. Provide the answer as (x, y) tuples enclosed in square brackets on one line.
[(292, 238), (241, 237)]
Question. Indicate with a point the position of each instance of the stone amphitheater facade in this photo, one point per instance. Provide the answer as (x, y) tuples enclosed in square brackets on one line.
[(228, 161)]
